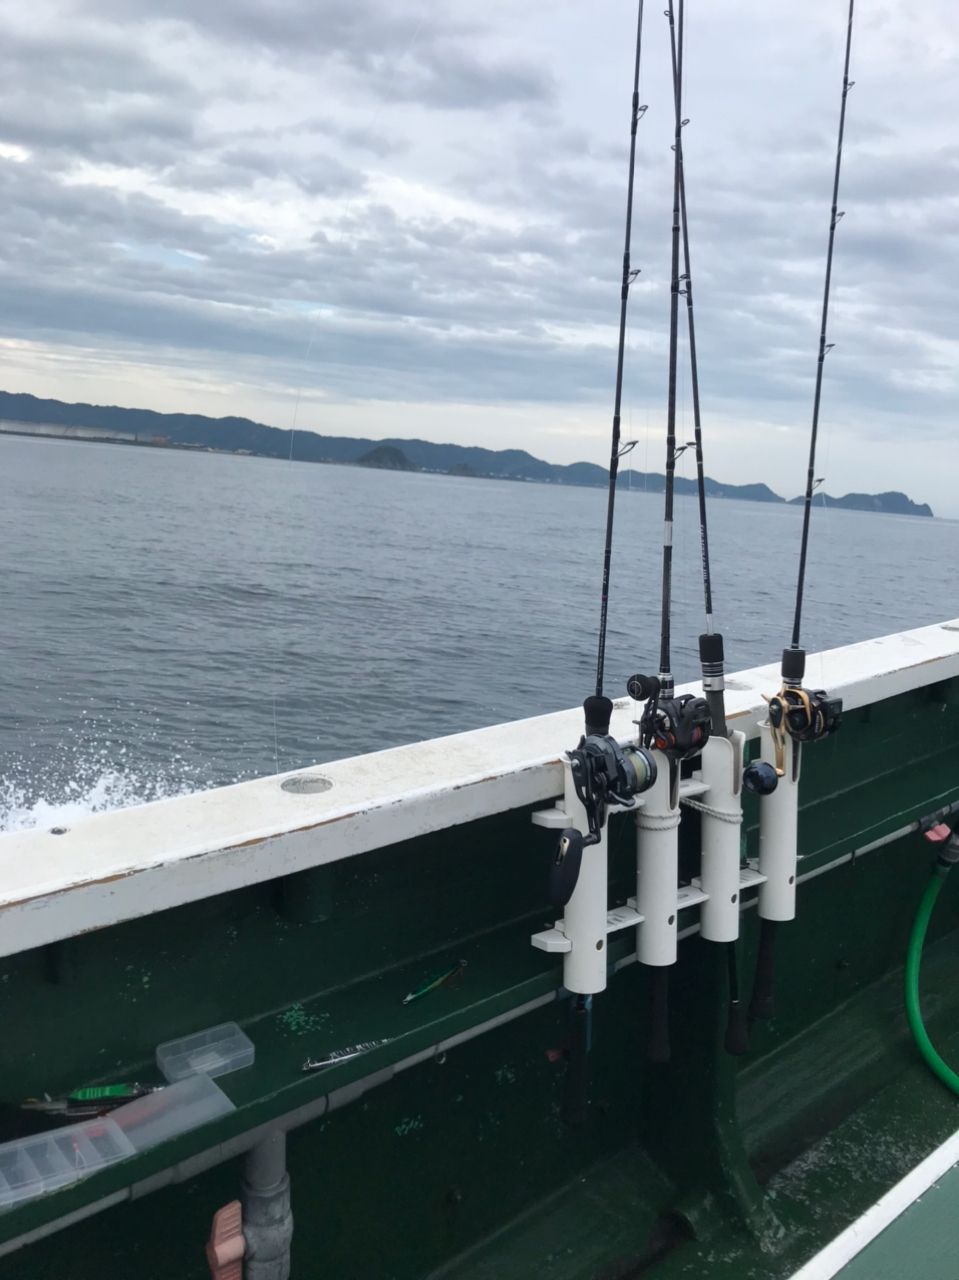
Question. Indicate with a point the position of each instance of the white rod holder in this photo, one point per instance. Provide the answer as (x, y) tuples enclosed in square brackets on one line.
[(657, 867), (719, 877), (779, 833)]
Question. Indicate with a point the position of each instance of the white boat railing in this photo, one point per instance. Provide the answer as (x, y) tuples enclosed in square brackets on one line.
[(119, 866)]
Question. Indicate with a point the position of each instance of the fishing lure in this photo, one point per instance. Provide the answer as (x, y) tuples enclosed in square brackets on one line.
[(94, 1100), (336, 1056), (433, 983)]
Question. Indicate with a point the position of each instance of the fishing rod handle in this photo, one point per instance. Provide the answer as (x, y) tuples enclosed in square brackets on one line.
[(576, 1084), (736, 1039), (658, 1048), (598, 712), (762, 1005)]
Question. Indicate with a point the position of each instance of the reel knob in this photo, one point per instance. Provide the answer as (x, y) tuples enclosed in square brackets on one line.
[(760, 778), (642, 688), (564, 869)]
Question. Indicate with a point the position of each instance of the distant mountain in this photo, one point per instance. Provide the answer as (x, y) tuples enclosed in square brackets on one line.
[(240, 435), (892, 503)]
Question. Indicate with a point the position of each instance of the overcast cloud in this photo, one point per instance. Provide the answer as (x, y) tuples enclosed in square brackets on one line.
[(410, 215)]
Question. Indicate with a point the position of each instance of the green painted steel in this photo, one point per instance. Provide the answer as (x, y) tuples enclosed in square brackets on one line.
[(461, 1165)]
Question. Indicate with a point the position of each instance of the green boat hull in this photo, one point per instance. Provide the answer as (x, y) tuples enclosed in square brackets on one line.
[(445, 1152)]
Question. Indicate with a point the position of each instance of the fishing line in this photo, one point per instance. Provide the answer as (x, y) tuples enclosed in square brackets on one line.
[(276, 663), (314, 328)]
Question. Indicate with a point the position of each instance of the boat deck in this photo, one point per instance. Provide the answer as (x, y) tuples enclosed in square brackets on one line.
[(868, 1120), (893, 1116), (922, 1238)]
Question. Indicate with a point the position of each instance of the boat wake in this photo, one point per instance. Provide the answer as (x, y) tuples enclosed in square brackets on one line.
[(24, 807)]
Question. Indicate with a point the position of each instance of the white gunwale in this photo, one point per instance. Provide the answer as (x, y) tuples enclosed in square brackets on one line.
[(119, 866)]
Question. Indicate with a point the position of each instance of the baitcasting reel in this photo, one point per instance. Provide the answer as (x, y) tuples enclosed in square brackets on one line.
[(805, 715), (679, 727), (604, 773)]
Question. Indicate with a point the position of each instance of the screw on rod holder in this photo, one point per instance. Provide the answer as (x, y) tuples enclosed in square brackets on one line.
[(760, 778)]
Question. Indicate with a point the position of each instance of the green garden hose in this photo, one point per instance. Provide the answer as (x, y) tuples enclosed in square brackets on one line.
[(913, 958)]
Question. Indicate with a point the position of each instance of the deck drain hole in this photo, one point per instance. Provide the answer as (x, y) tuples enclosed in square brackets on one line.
[(306, 784)]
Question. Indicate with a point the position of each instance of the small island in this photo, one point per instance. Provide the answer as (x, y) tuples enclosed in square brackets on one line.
[(27, 415), (891, 503)]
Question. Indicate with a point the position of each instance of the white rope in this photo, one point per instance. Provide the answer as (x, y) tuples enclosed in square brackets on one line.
[(657, 822), (735, 818)]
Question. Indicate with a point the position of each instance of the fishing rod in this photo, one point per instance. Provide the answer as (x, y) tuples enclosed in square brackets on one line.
[(796, 715), (722, 762), (675, 728), (616, 450), (600, 774)]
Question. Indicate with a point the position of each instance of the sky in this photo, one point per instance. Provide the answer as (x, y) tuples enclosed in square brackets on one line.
[(377, 218)]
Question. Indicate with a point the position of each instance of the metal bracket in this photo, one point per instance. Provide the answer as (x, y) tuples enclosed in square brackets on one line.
[(556, 818), (555, 940)]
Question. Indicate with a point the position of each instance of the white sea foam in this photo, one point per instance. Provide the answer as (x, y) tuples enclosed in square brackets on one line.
[(22, 809)]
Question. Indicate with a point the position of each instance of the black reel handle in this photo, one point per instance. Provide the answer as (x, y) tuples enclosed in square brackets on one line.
[(565, 867), (640, 688)]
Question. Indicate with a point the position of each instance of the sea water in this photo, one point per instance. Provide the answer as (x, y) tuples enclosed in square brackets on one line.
[(174, 620)]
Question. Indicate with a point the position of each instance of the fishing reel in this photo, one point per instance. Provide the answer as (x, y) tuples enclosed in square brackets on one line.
[(805, 715), (802, 714), (679, 727), (604, 774)]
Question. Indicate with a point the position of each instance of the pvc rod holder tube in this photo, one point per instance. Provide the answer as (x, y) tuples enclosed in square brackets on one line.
[(584, 921), (657, 867), (722, 771), (779, 834)]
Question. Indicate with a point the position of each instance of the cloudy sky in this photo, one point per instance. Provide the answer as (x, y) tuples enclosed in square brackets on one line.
[(405, 218)]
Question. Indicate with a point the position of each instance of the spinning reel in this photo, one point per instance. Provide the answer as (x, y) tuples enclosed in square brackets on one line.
[(604, 773), (679, 727)]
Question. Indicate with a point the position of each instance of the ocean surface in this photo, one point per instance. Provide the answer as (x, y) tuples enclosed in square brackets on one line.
[(171, 621)]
